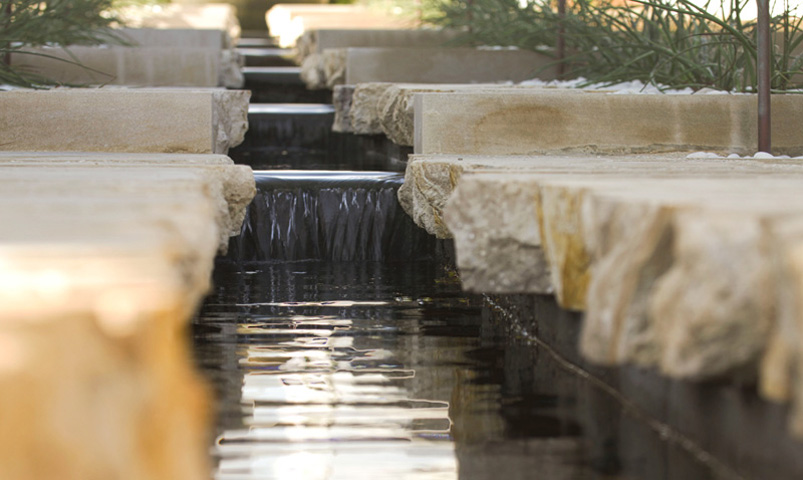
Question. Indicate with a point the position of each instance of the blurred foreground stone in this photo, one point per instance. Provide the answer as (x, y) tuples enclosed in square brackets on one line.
[(123, 120), (105, 258)]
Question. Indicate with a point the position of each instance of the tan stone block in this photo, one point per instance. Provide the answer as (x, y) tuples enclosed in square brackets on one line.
[(532, 123), (287, 22), (107, 393), (183, 15), (229, 188), (443, 65), (123, 120), (316, 41), (176, 37), (133, 66)]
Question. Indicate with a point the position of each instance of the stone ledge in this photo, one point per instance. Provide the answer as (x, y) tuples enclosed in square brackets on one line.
[(388, 107), (287, 22), (429, 65), (134, 66), (211, 16), (230, 187), (123, 120), (555, 121), (104, 260), (316, 41), (686, 266)]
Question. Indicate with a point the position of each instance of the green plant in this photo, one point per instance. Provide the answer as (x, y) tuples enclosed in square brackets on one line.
[(36, 23), (667, 43)]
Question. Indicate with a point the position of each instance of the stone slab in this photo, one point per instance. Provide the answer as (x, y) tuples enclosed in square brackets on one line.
[(133, 66), (443, 65), (176, 37), (388, 107), (229, 187), (287, 21), (183, 15), (316, 41), (681, 268), (551, 122), (123, 120)]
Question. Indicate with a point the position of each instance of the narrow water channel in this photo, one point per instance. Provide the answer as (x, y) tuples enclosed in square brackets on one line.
[(331, 370), (340, 344)]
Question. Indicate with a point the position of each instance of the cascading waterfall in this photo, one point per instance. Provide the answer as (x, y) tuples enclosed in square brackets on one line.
[(328, 215)]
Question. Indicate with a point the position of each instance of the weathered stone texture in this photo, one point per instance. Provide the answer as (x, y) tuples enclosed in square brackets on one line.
[(443, 65), (555, 121), (123, 120), (288, 22), (217, 16), (105, 258)]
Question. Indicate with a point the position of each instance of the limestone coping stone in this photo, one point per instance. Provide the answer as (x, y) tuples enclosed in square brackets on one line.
[(151, 418), (444, 65), (209, 16), (230, 187), (324, 70), (387, 108), (176, 37), (508, 123), (687, 268), (134, 66), (288, 21), (429, 65), (318, 40), (123, 120)]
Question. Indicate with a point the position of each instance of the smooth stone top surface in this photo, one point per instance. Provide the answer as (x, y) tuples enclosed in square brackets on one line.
[(176, 37), (443, 65), (207, 16), (555, 121), (144, 66), (288, 21), (123, 120), (316, 41)]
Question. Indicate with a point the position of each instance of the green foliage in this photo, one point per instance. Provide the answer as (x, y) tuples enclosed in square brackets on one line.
[(36, 23), (667, 43)]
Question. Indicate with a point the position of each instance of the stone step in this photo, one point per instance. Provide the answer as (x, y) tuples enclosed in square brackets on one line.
[(123, 120), (554, 121), (684, 265), (176, 37), (318, 40), (387, 108), (288, 21), (133, 66), (175, 15), (104, 258), (351, 66)]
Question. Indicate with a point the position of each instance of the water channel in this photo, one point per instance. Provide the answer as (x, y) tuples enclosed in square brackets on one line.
[(340, 344)]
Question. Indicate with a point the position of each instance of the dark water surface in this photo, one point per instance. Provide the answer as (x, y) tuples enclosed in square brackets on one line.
[(372, 370)]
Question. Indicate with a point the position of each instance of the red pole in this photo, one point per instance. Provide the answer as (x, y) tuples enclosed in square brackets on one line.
[(764, 67)]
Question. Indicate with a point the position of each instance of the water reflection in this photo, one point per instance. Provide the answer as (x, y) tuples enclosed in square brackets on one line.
[(363, 370), (333, 387)]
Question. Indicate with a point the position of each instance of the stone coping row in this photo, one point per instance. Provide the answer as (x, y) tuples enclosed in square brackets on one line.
[(318, 40), (159, 120), (174, 15), (498, 119), (142, 66), (104, 258), (287, 22), (355, 65), (690, 266)]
